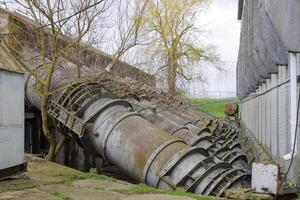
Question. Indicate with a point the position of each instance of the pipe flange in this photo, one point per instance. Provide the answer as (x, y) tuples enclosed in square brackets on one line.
[(204, 130), (107, 105), (159, 149), (232, 181), (177, 159), (212, 168), (178, 129), (220, 180)]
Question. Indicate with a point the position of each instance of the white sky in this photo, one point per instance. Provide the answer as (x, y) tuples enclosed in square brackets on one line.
[(222, 29), (224, 32)]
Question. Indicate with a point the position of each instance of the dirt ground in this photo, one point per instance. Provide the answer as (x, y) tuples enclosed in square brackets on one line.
[(51, 181), (46, 180)]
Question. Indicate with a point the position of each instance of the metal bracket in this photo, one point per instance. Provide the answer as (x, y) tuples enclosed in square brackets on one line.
[(59, 113)]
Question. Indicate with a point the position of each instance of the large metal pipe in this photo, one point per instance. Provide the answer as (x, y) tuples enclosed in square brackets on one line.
[(225, 137), (223, 147), (107, 127), (192, 135), (139, 148)]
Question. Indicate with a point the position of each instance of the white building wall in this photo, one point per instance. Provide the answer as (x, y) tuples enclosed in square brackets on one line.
[(11, 119), (266, 114), (274, 116)]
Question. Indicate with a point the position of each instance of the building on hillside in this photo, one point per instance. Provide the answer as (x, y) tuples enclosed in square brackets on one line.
[(11, 116), (268, 72)]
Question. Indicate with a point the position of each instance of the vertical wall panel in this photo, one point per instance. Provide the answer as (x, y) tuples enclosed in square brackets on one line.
[(282, 108), (268, 116), (274, 116), (260, 115), (287, 107), (263, 110), (256, 115)]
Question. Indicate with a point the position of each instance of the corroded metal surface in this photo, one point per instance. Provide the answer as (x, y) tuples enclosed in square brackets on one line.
[(95, 114), (223, 143), (147, 145), (231, 109)]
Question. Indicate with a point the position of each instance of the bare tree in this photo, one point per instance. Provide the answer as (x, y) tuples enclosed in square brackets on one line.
[(128, 32), (89, 26), (52, 20)]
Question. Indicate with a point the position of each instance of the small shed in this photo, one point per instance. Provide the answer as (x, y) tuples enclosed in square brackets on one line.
[(11, 115)]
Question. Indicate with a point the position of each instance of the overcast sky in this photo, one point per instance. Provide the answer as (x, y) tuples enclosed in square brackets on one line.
[(224, 32)]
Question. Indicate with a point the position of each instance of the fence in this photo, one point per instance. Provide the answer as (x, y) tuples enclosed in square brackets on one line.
[(194, 93)]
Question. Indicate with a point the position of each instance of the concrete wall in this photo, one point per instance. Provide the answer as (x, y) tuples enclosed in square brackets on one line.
[(11, 119)]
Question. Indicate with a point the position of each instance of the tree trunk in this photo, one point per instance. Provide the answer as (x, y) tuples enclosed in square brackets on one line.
[(172, 78), (172, 85), (47, 133), (78, 70)]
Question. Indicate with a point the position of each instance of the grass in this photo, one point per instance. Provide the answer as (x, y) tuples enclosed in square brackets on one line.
[(246, 193), (82, 175), (99, 187), (212, 106), (42, 173), (60, 195), (145, 189)]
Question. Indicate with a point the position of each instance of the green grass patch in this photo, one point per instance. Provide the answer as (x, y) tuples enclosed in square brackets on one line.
[(83, 175), (99, 187), (145, 189), (246, 193), (60, 195), (212, 106), (142, 189), (56, 193)]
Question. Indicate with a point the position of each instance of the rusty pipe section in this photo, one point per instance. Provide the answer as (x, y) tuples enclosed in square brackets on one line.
[(224, 148), (109, 128), (119, 136), (193, 136), (224, 135)]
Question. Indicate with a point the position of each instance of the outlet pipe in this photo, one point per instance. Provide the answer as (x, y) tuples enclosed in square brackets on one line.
[(225, 149), (142, 150)]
